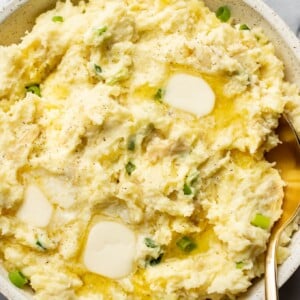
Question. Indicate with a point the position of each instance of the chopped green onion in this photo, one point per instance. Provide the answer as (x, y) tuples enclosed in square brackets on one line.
[(57, 19), (187, 190), (34, 89), (39, 244), (193, 178), (156, 261), (130, 167), (102, 30), (150, 243), (223, 13), (240, 265), (17, 278), (186, 244), (131, 143), (98, 69), (159, 95), (244, 27), (261, 221)]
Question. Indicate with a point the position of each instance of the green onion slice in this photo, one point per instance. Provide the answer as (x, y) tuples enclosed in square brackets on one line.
[(150, 243), (156, 261), (159, 95), (17, 278), (98, 69), (131, 143), (240, 265), (34, 89), (40, 245), (193, 178), (261, 221), (187, 189), (223, 13), (130, 167), (57, 19), (244, 27), (186, 244), (102, 30)]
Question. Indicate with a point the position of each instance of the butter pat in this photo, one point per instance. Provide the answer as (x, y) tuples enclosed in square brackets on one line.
[(110, 250), (191, 94), (35, 209)]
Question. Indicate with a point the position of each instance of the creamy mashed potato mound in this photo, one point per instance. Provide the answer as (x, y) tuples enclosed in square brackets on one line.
[(108, 190)]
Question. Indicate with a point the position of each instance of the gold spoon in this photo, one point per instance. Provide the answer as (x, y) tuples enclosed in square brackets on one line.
[(287, 158)]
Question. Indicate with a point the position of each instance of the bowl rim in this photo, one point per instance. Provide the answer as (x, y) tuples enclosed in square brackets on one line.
[(287, 35), (8, 7)]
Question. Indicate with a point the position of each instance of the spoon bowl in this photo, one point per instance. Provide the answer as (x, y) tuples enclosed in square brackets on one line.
[(287, 158)]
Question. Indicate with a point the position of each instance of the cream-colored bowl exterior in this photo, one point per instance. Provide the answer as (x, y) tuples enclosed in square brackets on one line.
[(17, 16)]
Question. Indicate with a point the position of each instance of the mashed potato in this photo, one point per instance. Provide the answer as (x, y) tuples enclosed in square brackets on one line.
[(108, 191)]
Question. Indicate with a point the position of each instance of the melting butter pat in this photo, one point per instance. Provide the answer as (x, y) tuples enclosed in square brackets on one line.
[(35, 209), (191, 94), (110, 250)]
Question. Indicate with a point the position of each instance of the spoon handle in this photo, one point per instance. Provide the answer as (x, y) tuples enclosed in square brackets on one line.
[(290, 208), (271, 288)]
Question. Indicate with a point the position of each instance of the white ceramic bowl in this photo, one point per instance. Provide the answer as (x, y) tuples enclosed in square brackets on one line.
[(17, 16)]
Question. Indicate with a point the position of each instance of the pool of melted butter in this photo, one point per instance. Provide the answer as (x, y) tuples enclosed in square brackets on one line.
[(287, 159)]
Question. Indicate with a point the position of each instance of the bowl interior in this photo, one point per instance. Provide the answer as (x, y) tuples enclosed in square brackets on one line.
[(18, 16)]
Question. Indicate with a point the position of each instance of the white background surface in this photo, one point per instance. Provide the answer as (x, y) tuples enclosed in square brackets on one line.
[(289, 10)]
